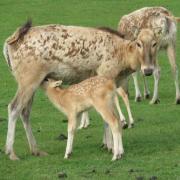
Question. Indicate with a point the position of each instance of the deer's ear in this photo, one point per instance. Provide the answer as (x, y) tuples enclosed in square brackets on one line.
[(135, 31), (158, 32), (49, 80), (57, 83)]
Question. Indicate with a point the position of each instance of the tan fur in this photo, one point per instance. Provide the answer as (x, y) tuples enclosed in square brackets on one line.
[(97, 92), (69, 53)]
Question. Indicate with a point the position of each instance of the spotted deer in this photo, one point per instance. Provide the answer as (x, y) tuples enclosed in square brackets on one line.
[(72, 54), (153, 18), (97, 92)]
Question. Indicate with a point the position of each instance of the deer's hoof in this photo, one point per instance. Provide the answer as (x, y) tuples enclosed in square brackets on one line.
[(39, 153), (178, 101), (147, 96), (138, 99)]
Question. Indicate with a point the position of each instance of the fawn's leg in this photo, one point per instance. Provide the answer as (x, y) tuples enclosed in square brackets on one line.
[(71, 130)]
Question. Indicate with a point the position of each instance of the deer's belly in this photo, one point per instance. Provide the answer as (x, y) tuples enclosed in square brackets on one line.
[(70, 75)]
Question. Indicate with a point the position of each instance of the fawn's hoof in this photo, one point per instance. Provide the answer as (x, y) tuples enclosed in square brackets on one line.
[(124, 124), (131, 126)]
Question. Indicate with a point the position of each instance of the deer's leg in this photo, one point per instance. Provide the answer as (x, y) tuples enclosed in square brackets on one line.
[(27, 126), (124, 96), (71, 130), (27, 85), (14, 109), (107, 137), (146, 89), (156, 73), (107, 112), (122, 118), (138, 96), (84, 122), (171, 51)]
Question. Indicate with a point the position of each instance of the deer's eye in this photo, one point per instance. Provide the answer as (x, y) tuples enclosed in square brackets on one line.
[(154, 44), (138, 44)]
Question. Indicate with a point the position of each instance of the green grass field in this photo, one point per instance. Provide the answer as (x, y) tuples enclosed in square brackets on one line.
[(152, 148)]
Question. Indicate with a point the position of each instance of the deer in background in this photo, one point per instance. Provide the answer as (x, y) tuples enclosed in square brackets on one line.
[(153, 18)]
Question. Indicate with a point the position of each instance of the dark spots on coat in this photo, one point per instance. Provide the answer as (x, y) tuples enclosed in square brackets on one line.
[(82, 52), (77, 42), (50, 53), (65, 35), (101, 40), (30, 48), (94, 41), (99, 57), (72, 44), (48, 38), (72, 51), (56, 58), (46, 48), (54, 46), (44, 42), (64, 30), (46, 58)]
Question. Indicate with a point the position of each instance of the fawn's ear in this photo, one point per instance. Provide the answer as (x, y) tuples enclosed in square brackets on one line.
[(56, 83)]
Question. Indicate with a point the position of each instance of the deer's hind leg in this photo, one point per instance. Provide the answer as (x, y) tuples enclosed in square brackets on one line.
[(26, 88), (105, 107), (25, 115)]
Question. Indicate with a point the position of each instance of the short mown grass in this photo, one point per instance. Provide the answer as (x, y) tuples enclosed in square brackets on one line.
[(152, 148)]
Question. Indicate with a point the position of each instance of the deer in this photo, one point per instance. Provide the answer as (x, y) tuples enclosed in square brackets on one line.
[(153, 17), (97, 92), (70, 54)]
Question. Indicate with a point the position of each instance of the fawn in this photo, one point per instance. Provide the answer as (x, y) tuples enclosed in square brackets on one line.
[(97, 92)]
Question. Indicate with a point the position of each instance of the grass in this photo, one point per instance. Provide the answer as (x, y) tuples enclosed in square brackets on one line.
[(152, 148)]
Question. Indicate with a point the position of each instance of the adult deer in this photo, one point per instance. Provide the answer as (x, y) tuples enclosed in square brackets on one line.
[(71, 54)]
